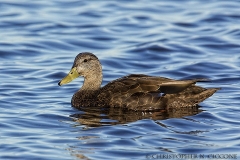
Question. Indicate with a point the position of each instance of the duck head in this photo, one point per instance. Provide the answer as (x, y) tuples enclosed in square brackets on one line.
[(86, 65)]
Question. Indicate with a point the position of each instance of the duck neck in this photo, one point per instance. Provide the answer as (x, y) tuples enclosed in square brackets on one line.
[(92, 82)]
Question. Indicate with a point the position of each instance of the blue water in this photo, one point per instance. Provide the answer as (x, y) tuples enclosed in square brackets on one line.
[(187, 39)]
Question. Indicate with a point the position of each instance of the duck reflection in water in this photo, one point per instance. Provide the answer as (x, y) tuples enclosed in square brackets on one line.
[(96, 117)]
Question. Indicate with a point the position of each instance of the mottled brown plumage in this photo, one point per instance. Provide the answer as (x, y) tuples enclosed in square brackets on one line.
[(136, 91)]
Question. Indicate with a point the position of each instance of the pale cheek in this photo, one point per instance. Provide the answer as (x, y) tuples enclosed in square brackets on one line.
[(80, 70), (83, 69)]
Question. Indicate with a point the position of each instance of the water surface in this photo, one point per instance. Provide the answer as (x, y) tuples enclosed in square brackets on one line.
[(191, 39)]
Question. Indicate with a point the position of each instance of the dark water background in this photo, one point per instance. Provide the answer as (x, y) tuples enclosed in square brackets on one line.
[(175, 39)]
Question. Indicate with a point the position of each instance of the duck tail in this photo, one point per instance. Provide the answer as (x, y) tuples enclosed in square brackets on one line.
[(205, 94), (191, 101)]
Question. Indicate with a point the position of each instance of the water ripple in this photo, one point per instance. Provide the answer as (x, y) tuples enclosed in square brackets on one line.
[(191, 39)]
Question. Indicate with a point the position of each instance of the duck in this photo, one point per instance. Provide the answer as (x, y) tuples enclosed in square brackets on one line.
[(138, 92)]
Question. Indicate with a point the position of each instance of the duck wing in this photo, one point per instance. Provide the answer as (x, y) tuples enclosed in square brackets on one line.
[(141, 90), (131, 84), (143, 83)]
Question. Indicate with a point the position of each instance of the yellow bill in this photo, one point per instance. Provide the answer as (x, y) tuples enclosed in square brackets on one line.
[(71, 76)]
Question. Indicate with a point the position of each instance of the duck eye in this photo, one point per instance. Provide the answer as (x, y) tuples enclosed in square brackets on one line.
[(85, 60)]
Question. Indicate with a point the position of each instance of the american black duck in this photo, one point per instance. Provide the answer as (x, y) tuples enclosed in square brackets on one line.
[(136, 91)]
